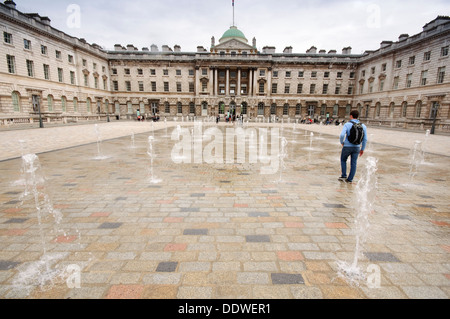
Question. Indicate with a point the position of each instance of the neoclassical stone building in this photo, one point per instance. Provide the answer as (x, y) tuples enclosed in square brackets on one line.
[(45, 72)]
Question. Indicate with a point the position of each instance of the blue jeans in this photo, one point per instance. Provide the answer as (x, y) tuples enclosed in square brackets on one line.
[(347, 152)]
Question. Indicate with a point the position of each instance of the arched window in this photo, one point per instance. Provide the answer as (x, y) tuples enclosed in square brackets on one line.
[(64, 104), (244, 108), (273, 109), (418, 109), (348, 109), (192, 108), (286, 109), (88, 105), (16, 101), (378, 109), (179, 108), (323, 109), (50, 103), (404, 109), (130, 107), (116, 109), (75, 104), (261, 108), (166, 107), (298, 109), (107, 107), (336, 110), (221, 108), (391, 110)]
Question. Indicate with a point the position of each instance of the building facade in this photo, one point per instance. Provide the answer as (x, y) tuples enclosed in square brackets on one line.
[(48, 74)]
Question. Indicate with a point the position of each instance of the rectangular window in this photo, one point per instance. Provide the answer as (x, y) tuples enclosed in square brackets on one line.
[(350, 89), (152, 72), (86, 80), (261, 87), (165, 72), (128, 86), (383, 67), (337, 91), (372, 70), (44, 50), (26, 44), (191, 72), (11, 61), (262, 72), (72, 77), (412, 60), (84, 63), (141, 86), (398, 64), (326, 75), (312, 89), (423, 79), (287, 88), (409, 80), (275, 74), (30, 68), (441, 75), (325, 89), (192, 88), (288, 74), (70, 58), (314, 74), (166, 86), (204, 86), (58, 54), (7, 38), (94, 66), (178, 86), (299, 88), (60, 75), (204, 72), (114, 71), (140, 72), (127, 71), (444, 51), (153, 86), (396, 82), (116, 85), (339, 75), (381, 85), (46, 71), (96, 82), (352, 75), (301, 74), (274, 88), (427, 56)]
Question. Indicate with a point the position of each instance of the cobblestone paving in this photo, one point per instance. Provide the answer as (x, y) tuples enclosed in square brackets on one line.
[(219, 230)]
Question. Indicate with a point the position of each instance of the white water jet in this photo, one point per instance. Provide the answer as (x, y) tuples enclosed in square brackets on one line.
[(364, 200), (417, 158), (283, 154), (40, 273), (99, 156), (151, 154)]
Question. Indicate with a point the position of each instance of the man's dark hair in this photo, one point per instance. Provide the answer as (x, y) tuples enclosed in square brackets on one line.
[(354, 114)]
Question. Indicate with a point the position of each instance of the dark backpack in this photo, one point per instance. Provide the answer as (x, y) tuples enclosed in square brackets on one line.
[(356, 133)]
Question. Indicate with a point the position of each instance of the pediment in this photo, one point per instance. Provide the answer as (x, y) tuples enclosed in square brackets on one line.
[(233, 44)]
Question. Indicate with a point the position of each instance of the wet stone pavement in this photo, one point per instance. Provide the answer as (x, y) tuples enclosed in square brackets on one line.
[(214, 231)]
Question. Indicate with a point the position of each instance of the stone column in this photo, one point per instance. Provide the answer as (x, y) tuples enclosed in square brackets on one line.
[(211, 82), (227, 86), (216, 82), (250, 82), (269, 82), (255, 81), (197, 81), (239, 83)]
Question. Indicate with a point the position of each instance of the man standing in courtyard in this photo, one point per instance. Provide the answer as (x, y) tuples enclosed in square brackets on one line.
[(353, 139)]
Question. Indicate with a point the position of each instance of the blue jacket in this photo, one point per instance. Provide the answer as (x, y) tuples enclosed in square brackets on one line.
[(346, 132)]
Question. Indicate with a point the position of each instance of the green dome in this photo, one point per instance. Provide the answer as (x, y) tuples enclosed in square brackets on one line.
[(235, 33)]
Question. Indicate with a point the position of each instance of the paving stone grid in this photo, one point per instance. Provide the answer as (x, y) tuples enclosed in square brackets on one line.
[(221, 231)]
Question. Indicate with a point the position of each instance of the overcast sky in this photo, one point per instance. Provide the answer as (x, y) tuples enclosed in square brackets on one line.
[(326, 24)]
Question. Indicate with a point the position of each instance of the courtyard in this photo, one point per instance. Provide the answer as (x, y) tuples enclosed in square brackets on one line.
[(100, 218)]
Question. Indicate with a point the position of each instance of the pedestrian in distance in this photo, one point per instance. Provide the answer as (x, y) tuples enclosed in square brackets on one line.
[(353, 139)]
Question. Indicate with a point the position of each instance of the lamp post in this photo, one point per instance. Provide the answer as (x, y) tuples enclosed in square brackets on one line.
[(37, 103), (434, 110)]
